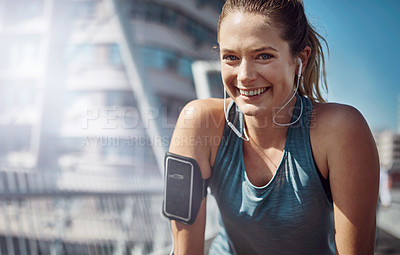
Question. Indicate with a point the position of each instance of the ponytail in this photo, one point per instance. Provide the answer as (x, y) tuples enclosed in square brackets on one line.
[(314, 72)]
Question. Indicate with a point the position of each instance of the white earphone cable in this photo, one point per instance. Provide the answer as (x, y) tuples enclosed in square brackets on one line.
[(230, 124), (295, 92)]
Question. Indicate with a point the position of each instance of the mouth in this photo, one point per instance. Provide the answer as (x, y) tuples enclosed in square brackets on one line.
[(252, 92)]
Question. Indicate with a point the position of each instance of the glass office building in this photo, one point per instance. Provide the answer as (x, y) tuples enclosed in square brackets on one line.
[(90, 91)]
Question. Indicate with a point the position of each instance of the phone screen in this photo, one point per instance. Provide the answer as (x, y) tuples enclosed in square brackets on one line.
[(179, 183)]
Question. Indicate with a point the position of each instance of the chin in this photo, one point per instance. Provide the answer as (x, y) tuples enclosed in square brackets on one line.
[(250, 110)]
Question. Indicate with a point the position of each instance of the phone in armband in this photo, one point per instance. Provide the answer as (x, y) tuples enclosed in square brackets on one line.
[(184, 188)]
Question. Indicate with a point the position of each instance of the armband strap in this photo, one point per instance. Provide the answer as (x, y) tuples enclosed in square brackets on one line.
[(184, 188), (206, 182)]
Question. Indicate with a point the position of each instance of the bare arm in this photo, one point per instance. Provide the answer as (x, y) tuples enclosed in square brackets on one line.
[(353, 165), (191, 138)]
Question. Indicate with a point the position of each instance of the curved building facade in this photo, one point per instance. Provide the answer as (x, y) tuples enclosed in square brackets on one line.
[(91, 90)]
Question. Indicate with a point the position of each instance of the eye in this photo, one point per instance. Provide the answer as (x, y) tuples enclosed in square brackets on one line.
[(229, 57), (264, 56)]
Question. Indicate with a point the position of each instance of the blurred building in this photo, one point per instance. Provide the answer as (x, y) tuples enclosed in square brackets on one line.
[(388, 144), (90, 91), (398, 115)]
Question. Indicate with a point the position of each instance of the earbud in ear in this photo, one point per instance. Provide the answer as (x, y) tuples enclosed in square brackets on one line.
[(300, 66)]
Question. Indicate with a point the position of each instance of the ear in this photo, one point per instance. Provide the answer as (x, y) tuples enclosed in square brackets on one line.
[(304, 55)]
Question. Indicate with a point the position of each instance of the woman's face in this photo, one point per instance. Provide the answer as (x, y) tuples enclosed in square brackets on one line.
[(257, 68)]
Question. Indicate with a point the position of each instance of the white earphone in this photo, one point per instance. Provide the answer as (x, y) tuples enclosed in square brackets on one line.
[(300, 67)]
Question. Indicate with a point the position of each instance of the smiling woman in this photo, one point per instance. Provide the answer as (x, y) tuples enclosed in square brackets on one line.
[(291, 173)]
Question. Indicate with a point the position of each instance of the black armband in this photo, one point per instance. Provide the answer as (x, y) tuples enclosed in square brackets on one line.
[(184, 188)]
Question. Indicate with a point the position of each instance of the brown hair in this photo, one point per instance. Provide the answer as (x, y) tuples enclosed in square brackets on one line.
[(289, 16)]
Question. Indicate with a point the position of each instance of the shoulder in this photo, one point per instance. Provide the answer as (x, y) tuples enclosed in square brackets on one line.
[(198, 132), (339, 132), (337, 121), (200, 117), (201, 110)]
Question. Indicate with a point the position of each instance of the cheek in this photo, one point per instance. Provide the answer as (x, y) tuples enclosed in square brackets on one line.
[(289, 79), (228, 76), (281, 77)]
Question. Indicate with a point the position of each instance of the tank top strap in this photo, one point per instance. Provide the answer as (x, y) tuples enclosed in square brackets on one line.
[(298, 143)]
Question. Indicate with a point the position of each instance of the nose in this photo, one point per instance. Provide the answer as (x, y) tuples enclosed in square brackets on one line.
[(246, 72)]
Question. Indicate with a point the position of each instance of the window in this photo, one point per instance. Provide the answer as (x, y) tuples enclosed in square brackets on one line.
[(163, 59), (115, 55), (19, 51), (22, 11), (94, 53), (216, 85), (168, 59), (217, 4), (84, 9), (15, 97), (154, 12), (176, 19), (169, 17), (185, 67), (138, 10), (82, 53), (158, 58), (120, 98)]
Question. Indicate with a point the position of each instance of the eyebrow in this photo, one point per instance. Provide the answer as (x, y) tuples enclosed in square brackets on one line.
[(264, 49), (253, 50)]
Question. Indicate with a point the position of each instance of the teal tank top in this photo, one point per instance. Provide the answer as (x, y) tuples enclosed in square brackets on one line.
[(289, 215)]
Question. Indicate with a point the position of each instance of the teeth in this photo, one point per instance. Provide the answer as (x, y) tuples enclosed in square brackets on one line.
[(252, 92)]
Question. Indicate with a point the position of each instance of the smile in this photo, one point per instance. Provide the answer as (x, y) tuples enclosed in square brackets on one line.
[(254, 92)]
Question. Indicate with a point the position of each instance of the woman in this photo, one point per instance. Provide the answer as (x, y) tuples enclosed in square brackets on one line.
[(291, 173)]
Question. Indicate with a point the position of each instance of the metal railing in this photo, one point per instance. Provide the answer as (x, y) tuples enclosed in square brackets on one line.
[(55, 213)]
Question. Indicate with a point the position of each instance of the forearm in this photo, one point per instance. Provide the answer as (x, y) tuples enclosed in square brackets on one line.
[(186, 243), (189, 239)]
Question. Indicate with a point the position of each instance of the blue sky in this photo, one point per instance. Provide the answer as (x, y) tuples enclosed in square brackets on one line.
[(364, 61)]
